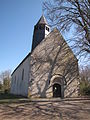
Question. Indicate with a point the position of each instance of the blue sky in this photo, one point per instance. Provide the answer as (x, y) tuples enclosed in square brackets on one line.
[(17, 20)]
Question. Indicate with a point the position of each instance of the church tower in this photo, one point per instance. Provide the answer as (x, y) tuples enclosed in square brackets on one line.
[(41, 30)]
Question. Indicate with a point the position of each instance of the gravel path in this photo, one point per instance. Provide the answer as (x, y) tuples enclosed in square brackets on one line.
[(63, 110)]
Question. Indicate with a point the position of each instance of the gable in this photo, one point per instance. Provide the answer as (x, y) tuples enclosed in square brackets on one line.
[(50, 44)]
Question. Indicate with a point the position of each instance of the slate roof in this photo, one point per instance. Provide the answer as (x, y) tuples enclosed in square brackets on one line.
[(21, 62), (42, 20)]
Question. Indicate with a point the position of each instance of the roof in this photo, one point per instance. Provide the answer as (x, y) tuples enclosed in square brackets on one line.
[(42, 20), (21, 63)]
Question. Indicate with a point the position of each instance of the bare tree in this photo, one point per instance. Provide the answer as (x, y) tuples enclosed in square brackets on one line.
[(85, 73), (5, 77), (65, 14), (85, 80), (1, 86)]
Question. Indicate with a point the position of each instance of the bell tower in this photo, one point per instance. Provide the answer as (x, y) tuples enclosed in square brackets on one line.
[(41, 30)]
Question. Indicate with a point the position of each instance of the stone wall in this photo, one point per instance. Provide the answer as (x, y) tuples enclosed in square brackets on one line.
[(53, 58)]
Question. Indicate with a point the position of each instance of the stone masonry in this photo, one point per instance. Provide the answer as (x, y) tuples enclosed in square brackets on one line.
[(53, 62)]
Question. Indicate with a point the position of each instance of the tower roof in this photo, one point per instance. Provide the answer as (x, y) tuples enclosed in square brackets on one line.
[(42, 20)]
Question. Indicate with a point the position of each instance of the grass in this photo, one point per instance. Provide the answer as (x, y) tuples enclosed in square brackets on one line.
[(9, 98)]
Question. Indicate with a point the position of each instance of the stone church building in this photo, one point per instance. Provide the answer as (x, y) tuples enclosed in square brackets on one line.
[(50, 69)]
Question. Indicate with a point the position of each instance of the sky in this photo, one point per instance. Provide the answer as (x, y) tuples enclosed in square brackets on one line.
[(17, 20)]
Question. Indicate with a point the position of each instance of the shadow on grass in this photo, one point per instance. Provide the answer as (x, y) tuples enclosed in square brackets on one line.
[(10, 98)]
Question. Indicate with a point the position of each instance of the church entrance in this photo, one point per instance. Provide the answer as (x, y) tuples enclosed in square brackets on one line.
[(56, 90)]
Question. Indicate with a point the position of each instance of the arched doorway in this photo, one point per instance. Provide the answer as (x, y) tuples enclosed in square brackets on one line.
[(57, 90)]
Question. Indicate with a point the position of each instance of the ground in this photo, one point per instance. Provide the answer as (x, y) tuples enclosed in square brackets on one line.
[(44, 110)]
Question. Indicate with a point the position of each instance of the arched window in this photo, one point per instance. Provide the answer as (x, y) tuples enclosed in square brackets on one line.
[(23, 74)]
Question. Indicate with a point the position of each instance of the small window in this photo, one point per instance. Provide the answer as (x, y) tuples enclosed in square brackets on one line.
[(47, 29), (15, 79), (23, 74)]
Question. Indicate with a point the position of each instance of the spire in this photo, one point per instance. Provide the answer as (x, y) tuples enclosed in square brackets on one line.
[(42, 20), (41, 30)]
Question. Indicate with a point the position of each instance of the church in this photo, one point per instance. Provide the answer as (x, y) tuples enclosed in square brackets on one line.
[(50, 70)]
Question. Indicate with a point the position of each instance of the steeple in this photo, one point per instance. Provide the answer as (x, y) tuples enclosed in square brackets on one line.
[(41, 30), (42, 20)]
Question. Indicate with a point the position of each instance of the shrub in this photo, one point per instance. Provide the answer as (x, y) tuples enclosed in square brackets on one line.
[(84, 88)]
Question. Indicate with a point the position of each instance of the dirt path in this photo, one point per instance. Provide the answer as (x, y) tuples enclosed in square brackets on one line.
[(65, 110)]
